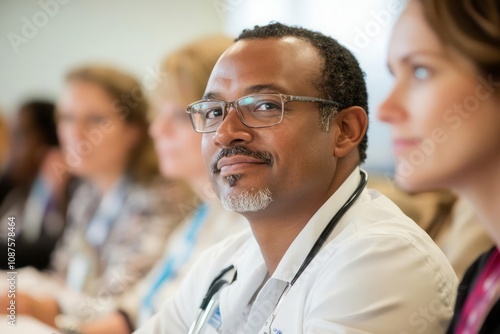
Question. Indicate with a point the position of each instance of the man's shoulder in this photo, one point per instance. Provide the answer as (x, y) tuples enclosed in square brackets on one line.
[(379, 218), (377, 231), (378, 227), (377, 214)]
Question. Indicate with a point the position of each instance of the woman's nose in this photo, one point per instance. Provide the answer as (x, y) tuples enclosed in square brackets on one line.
[(392, 109)]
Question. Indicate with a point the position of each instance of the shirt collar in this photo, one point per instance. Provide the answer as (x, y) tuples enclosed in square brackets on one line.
[(300, 247)]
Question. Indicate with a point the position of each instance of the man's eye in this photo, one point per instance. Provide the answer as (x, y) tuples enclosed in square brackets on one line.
[(267, 106), (214, 113)]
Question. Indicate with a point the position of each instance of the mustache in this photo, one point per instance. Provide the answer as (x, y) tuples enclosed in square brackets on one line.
[(240, 150)]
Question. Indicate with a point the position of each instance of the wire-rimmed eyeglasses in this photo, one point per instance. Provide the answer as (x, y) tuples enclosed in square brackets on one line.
[(255, 110)]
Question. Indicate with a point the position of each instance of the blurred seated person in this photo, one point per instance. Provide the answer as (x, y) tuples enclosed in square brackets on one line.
[(122, 213), (448, 219), (4, 141), (179, 151), (5, 184), (33, 193)]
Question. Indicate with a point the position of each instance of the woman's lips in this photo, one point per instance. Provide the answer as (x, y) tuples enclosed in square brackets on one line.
[(401, 145), (236, 163)]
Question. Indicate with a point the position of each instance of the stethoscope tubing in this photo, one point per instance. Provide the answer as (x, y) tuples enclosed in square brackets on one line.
[(218, 283)]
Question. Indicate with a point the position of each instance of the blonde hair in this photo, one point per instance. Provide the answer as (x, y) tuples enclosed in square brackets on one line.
[(470, 26), (189, 68), (129, 98)]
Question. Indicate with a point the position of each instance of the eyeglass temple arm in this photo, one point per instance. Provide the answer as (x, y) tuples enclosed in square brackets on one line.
[(292, 98)]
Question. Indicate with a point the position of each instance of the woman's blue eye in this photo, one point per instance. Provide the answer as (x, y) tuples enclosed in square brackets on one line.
[(421, 73)]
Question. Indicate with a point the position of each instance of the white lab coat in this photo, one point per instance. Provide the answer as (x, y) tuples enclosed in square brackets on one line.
[(377, 273)]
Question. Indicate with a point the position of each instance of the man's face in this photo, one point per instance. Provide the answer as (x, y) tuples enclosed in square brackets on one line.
[(279, 167)]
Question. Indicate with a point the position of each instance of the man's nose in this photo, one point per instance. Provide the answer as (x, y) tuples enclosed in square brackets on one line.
[(232, 131)]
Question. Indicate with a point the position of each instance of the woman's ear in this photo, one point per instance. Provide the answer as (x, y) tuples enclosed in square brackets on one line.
[(351, 124)]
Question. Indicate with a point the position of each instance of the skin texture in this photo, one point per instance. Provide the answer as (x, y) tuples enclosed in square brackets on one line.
[(113, 323), (444, 119), (43, 309), (95, 139), (28, 149), (178, 146), (307, 165)]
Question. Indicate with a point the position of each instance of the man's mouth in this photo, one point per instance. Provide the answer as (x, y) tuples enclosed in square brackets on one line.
[(234, 160)]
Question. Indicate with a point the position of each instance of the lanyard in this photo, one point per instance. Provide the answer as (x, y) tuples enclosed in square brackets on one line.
[(318, 245), (175, 260), (82, 265), (110, 208), (219, 282), (35, 209)]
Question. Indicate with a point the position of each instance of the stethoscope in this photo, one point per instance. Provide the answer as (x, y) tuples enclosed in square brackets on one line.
[(210, 302), (227, 276)]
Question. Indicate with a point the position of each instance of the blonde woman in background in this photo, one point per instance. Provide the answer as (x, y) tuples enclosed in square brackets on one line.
[(179, 151), (121, 215)]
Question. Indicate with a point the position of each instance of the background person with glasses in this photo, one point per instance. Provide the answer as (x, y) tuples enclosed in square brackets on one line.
[(324, 254)]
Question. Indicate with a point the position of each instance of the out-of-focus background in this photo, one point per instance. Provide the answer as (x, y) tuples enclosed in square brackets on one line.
[(40, 40), (109, 210)]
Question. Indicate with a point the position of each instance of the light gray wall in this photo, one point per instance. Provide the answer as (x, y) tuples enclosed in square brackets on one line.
[(133, 34), (136, 34)]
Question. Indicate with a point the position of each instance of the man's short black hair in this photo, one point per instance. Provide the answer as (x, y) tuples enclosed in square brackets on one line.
[(342, 80)]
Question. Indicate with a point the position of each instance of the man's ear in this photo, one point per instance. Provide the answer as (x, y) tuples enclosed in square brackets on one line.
[(350, 127)]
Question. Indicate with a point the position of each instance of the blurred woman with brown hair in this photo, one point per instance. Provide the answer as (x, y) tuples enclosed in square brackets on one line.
[(121, 215), (445, 57)]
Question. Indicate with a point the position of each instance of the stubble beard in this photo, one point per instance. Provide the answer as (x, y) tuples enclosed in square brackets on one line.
[(252, 200)]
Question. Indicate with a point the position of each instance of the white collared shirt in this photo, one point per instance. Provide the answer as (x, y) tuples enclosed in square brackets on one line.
[(377, 273)]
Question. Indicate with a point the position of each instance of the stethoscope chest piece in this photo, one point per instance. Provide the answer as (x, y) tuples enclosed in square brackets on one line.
[(210, 305)]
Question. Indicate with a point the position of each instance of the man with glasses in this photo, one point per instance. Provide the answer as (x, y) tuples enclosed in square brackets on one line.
[(284, 131)]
